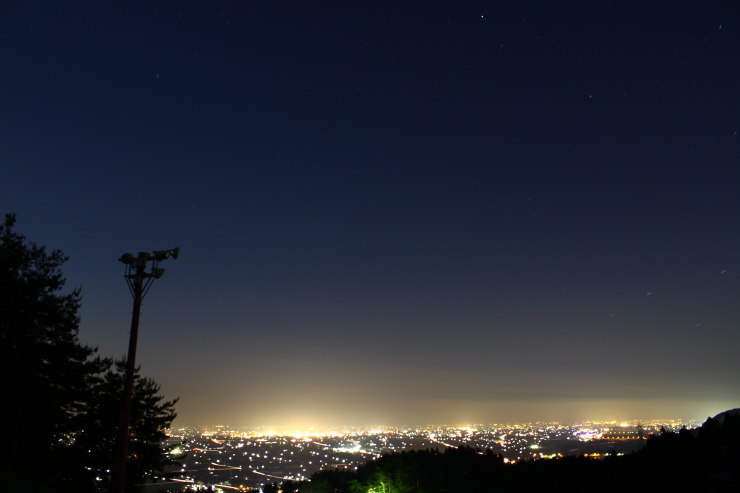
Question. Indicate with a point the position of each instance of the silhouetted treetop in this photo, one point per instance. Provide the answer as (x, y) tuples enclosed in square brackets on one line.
[(61, 403), (43, 366)]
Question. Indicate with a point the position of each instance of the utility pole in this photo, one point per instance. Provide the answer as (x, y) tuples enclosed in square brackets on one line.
[(139, 281)]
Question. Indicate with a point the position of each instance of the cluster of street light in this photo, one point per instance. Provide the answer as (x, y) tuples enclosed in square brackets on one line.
[(238, 459)]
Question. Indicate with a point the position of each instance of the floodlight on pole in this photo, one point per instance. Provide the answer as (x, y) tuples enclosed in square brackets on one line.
[(139, 281)]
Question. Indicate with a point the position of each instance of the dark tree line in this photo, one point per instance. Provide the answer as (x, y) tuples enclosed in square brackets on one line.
[(61, 401)]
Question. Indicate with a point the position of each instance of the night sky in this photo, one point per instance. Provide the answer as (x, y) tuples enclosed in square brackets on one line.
[(392, 213)]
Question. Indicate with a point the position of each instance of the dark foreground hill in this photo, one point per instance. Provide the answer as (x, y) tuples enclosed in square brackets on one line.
[(704, 459)]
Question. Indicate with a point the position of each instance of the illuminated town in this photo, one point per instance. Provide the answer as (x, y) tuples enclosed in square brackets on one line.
[(224, 459)]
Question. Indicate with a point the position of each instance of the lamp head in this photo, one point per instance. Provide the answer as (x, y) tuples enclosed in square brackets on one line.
[(164, 254), (127, 258)]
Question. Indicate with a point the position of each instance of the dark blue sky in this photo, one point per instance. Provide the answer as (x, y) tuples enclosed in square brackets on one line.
[(392, 213)]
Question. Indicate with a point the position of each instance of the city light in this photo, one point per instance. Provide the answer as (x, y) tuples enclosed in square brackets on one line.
[(254, 457)]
